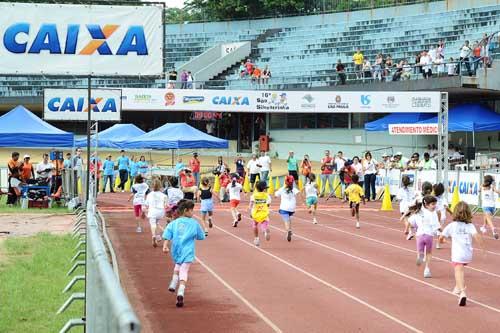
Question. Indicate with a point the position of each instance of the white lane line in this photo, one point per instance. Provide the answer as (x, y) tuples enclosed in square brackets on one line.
[(241, 298), (314, 277), (387, 269), (396, 246)]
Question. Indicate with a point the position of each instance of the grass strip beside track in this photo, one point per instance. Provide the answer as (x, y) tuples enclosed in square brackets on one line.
[(4, 209)]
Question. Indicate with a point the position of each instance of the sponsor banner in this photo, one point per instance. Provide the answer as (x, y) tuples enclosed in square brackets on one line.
[(468, 186), (413, 129), (391, 177), (60, 39), (278, 101), (72, 104)]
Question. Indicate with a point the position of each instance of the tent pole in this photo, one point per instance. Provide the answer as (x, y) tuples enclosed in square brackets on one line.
[(173, 157), (473, 138)]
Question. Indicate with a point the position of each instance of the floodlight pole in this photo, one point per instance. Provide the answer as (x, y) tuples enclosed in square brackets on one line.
[(89, 119), (443, 165)]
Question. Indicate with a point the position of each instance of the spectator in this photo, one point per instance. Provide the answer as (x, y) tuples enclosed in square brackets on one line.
[(195, 167), (426, 63), (210, 127), (266, 74), (377, 68), (292, 166), (184, 78), (240, 166), (109, 172), (406, 75), (385, 163), (67, 161), (123, 167), (440, 48), (414, 162), (172, 78), (339, 160), (367, 70), (370, 170), (476, 55), (249, 67), (190, 81), (358, 58), (433, 53), (341, 72), (427, 163), (327, 166), (265, 166), (188, 184), (253, 170), (142, 166), (26, 170), (305, 168), (95, 170), (133, 169), (399, 71), (220, 167), (486, 45), (44, 169), (439, 62), (179, 166), (389, 67), (15, 185), (78, 162), (434, 151), (57, 174), (256, 75), (451, 67), (418, 67), (465, 52), (242, 70), (456, 154)]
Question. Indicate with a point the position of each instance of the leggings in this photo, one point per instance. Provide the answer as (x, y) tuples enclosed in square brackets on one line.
[(370, 186), (182, 270)]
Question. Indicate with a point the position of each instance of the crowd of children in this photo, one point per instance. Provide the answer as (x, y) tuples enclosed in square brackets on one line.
[(424, 215)]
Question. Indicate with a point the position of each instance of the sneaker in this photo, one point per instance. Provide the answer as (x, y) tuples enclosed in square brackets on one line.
[(210, 224), (420, 259), (235, 224), (438, 245), (123, 191), (267, 235), (173, 285), (153, 239), (462, 299), (495, 235), (315, 221), (256, 241), (206, 233), (289, 235), (483, 229), (357, 225), (427, 273), (239, 217), (158, 238), (410, 236), (180, 301), (138, 229), (456, 291)]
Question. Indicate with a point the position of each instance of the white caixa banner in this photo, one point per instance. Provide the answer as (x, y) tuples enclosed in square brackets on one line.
[(54, 39), (72, 104), (279, 101)]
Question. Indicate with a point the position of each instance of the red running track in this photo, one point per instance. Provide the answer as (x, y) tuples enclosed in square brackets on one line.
[(330, 278)]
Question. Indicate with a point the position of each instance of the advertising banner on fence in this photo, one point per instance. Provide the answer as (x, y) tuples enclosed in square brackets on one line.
[(279, 101), (57, 39), (72, 104), (413, 129)]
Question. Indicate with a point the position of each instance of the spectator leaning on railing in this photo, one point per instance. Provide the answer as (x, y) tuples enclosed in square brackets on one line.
[(357, 59), (427, 163), (465, 52)]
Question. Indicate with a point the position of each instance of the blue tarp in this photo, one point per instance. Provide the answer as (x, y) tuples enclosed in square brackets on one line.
[(176, 136), (382, 124), (470, 118), (114, 137), (21, 128)]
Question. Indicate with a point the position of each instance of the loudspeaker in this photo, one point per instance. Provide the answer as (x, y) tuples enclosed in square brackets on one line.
[(471, 153)]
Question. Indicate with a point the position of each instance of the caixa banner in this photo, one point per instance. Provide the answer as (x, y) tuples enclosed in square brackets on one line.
[(72, 104), (80, 40)]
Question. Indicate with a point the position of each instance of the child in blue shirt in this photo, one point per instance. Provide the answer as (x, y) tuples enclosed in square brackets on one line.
[(182, 234), (109, 171)]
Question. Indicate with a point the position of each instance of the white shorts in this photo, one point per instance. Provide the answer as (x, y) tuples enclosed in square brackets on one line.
[(153, 221), (155, 216)]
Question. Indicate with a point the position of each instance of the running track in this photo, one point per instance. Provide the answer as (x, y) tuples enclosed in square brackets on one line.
[(330, 278)]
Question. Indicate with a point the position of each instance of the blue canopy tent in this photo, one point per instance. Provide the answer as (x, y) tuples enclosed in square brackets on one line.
[(470, 118), (382, 124), (176, 136), (114, 137), (21, 128)]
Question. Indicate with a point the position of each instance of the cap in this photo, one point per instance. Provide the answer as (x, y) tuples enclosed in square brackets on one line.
[(27, 156), (399, 154), (187, 169), (385, 155)]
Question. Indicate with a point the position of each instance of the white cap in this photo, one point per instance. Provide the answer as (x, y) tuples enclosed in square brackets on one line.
[(385, 155), (399, 153), (27, 156)]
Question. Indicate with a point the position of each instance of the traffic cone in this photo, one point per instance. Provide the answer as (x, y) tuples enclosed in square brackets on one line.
[(101, 184), (117, 182), (270, 189), (386, 202), (277, 185), (327, 188), (301, 185), (246, 185), (455, 199), (318, 183), (337, 187), (127, 185), (79, 186), (217, 184)]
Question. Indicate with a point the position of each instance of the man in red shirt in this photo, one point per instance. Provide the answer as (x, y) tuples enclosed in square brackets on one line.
[(476, 55), (249, 66), (194, 165), (327, 166)]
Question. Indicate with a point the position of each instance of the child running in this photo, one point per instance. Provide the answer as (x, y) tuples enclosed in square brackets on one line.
[(405, 196), (488, 204), (409, 230), (311, 192), (224, 181), (234, 190), (174, 195), (355, 194), (259, 207), (288, 204), (156, 202), (139, 191), (461, 231), (207, 204), (442, 207), (182, 233), (425, 219)]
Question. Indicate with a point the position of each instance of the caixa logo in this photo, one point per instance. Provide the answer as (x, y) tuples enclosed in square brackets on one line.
[(231, 100), (71, 104), (49, 39)]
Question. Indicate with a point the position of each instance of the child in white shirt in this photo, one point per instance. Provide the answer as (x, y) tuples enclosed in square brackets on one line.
[(156, 202), (311, 193), (288, 204), (139, 191), (234, 190)]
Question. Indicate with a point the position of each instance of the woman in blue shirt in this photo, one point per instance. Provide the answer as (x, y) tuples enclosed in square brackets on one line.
[(142, 165), (179, 167), (109, 171), (134, 169)]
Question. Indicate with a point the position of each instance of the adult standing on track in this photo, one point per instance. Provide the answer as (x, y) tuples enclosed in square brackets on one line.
[(134, 169), (109, 171), (265, 166), (27, 171), (305, 169), (195, 166), (240, 166), (293, 166), (221, 166), (253, 167), (142, 166), (123, 166), (327, 166), (370, 170)]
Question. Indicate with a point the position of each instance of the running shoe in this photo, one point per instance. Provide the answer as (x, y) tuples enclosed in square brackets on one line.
[(138, 229), (315, 221), (235, 224), (210, 224), (483, 229), (153, 239), (180, 301), (462, 300), (158, 238), (427, 273), (495, 235), (239, 217), (256, 241), (173, 285), (438, 245), (267, 235), (206, 233), (289, 235), (456, 291), (410, 236), (420, 259), (357, 225)]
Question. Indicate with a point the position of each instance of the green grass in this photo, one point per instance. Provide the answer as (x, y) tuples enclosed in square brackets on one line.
[(32, 277), (4, 209)]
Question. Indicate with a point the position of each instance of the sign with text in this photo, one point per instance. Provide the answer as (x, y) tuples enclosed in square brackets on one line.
[(57, 39), (413, 129), (72, 104), (279, 101)]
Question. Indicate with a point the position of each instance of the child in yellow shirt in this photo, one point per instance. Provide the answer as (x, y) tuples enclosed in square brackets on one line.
[(259, 207), (355, 195)]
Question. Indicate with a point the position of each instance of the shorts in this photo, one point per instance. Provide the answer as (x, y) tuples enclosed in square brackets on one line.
[(154, 221), (285, 214), (264, 225), (489, 210), (455, 264), (207, 205), (294, 174), (424, 242), (138, 210), (234, 203), (311, 201), (354, 205), (253, 177)]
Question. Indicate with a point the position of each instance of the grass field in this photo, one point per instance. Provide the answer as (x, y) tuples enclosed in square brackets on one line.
[(32, 276), (4, 209)]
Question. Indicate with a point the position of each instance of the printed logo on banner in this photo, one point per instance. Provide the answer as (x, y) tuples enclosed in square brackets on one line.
[(70, 104), (309, 102), (141, 98), (390, 103), (193, 99), (169, 98), (338, 104), (421, 102), (366, 101), (273, 101), (230, 100)]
